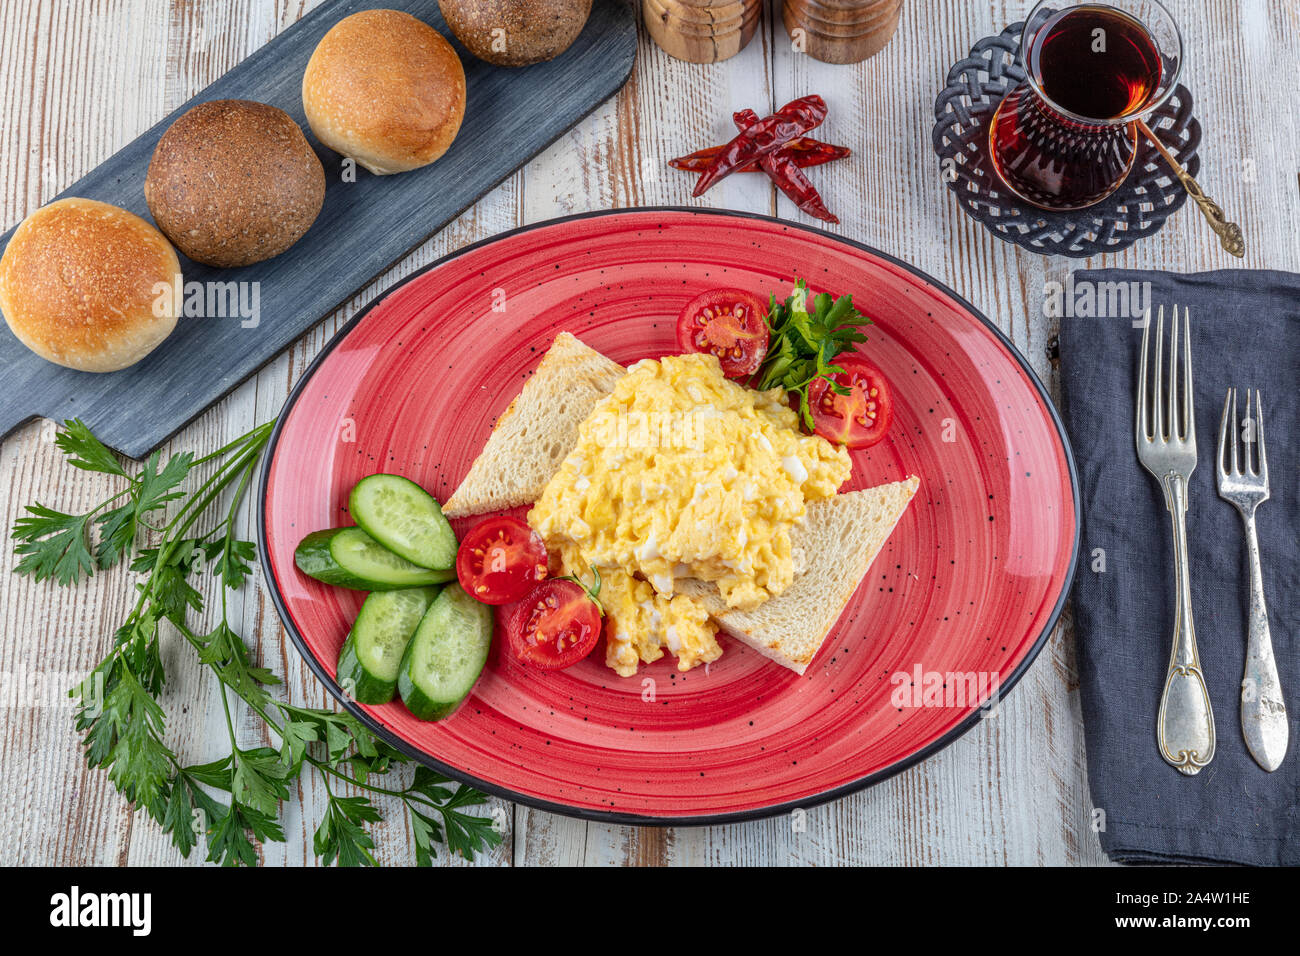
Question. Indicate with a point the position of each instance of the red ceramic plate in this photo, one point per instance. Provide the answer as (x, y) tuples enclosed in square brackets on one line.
[(965, 592)]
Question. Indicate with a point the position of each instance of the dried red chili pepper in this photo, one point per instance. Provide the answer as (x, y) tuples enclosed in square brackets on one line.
[(765, 136), (792, 181), (785, 172), (805, 151)]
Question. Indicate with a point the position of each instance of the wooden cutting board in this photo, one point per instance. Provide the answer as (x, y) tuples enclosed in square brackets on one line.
[(365, 226)]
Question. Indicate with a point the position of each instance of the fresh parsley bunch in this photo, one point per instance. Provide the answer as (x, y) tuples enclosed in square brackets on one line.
[(233, 802), (804, 343)]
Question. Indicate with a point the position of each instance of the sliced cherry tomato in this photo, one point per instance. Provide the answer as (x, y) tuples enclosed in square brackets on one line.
[(556, 626), (500, 560), (860, 418), (729, 323)]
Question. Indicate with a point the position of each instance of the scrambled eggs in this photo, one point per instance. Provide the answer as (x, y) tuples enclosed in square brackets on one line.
[(681, 472)]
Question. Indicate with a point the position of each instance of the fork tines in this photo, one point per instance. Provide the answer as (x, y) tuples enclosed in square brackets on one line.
[(1171, 412), (1231, 464)]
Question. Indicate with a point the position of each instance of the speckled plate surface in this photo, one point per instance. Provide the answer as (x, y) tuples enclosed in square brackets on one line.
[(961, 599)]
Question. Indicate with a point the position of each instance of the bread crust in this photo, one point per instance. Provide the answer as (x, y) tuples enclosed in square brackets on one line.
[(385, 89), (80, 285)]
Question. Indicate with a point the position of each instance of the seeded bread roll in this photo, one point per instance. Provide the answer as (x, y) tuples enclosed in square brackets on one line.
[(385, 89), (233, 182), (89, 286)]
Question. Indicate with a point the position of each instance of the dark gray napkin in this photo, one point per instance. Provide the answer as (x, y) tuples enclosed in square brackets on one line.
[(1245, 328)]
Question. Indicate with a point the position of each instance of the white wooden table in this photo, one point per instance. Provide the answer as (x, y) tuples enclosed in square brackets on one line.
[(80, 80)]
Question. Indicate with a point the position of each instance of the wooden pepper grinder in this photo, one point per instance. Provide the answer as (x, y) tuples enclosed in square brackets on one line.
[(841, 31), (702, 31)]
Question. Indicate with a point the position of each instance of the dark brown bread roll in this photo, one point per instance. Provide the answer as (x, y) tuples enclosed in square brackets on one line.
[(233, 182), (516, 32)]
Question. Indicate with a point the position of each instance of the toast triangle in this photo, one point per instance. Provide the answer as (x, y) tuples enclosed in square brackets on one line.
[(533, 436), (841, 537)]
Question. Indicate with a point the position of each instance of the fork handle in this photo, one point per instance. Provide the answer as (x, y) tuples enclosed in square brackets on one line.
[(1185, 725), (1263, 711)]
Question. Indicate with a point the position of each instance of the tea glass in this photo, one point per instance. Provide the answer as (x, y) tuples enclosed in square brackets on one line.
[(1059, 158)]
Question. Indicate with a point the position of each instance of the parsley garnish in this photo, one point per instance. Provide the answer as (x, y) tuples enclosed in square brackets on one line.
[(804, 343), (122, 721)]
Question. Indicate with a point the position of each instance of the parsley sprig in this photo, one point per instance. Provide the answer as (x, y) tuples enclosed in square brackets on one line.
[(234, 803), (804, 343)]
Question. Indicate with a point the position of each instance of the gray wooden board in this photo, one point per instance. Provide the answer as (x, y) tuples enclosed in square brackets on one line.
[(511, 115)]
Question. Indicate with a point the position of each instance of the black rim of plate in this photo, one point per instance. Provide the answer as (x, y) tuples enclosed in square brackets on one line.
[(635, 819)]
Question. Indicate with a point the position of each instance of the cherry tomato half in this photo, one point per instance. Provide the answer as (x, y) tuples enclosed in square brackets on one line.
[(729, 323), (556, 626), (860, 418), (500, 560)]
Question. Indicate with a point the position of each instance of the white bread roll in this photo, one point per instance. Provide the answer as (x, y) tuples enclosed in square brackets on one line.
[(82, 285), (385, 89)]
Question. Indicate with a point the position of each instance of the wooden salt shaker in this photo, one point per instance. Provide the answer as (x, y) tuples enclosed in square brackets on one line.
[(841, 31), (702, 31)]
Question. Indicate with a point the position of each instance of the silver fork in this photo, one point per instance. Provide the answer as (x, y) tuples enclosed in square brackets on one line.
[(1245, 484), (1166, 446)]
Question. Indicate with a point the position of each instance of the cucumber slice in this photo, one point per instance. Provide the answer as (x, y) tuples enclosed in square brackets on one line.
[(350, 558), (405, 519), (372, 654), (446, 655)]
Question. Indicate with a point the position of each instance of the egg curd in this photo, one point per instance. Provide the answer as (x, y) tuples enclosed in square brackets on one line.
[(681, 472)]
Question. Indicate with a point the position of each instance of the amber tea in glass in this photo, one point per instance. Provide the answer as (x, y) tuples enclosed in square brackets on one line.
[(1066, 137)]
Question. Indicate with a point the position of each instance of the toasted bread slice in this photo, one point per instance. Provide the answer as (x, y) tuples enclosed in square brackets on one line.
[(841, 537), (533, 436)]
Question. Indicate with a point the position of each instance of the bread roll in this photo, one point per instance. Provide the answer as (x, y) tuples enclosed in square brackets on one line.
[(385, 89), (89, 286), (233, 182), (516, 32)]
